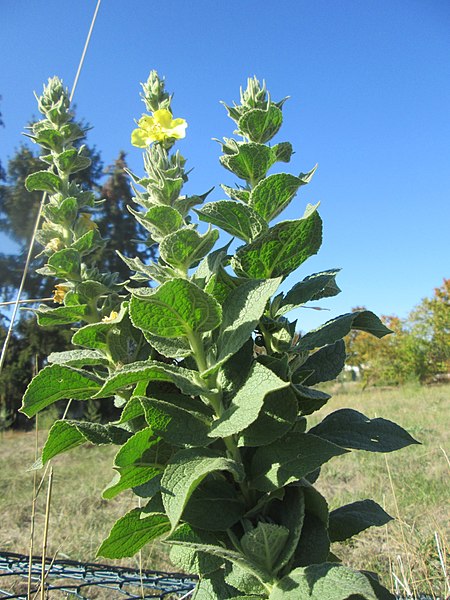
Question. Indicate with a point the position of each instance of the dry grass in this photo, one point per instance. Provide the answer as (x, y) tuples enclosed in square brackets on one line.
[(412, 485)]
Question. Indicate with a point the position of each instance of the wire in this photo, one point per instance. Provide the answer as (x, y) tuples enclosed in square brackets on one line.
[(41, 206)]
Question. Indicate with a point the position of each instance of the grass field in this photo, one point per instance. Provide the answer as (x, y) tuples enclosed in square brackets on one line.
[(412, 485)]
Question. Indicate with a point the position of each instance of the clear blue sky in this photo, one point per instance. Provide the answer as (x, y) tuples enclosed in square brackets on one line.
[(370, 94)]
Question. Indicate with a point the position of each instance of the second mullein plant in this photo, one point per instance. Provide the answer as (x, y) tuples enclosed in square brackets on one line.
[(214, 384)]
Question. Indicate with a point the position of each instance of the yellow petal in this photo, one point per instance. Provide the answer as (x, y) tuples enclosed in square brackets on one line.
[(139, 138), (179, 131), (163, 117)]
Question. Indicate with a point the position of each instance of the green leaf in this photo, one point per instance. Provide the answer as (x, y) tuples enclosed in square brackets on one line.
[(214, 506), (56, 382), (178, 538), (134, 464), (88, 242), (184, 474), (244, 582), (170, 347), (186, 380), (264, 544), (177, 308), (327, 581), (251, 161), (289, 512), (130, 533), (65, 435), (60, 316), (71, 161), (351, 519), (276, 417), (337, 328), (233, 217), (274, 193), (323, 365), (160, 220), (261, 125), (192, 561), (289, 459), (281, 249), (314, 544), (66, 264), (236, 194), (185, 247), (43, 181), (212, 587), (314, 287), (78, 358), (247, 403), (351, 429), (175, 424), (309, 399), (242, 311), (63, 213)]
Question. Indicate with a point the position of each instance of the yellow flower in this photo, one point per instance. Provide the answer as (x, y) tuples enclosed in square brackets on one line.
[(158, 128), (111, 317), (60, 292), (54, 244)]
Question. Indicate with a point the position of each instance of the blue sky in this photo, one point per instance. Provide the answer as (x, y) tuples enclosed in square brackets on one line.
[(370, 96)]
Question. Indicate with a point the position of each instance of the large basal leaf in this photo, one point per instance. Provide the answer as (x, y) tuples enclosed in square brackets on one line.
[(193, 561), (184, 474), (314, 544), (179, 538), (56, 382), (323, 365), (65, 435), (186, 380), (289, 459), (241, 313), (214, 506), (273, 194), (261, 125), (275, 418), (176, 308), (327, 581), (43, 181), (309, 399), (281, 249), (175, 424), (247, 403), (185, 247), (66, 264), (337, 328), (244, 582), (264, 544), (351, 519), (351, 429), (130, 533), (314, 287), (236, 218)]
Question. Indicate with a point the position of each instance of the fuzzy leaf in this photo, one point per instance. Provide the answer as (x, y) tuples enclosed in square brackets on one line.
[(281, 249), (264, 543), (241, 313), (276, 417), (251, 161), (233, 217), (78, 358), (65, 264), (289, 459), (351, 519), (185, 247), (236, 194), (65, 435), (184, 474), (174, 424), (324, 365), (313, 287), (273, 194), (43, 181), (176, 308), (192, 561), (185, 379), (261, 125), (246, 405), (130, 533), (72, 161), (160, 220), (327, 581), (309, 399), (56, 382), (60, 316), (314, 543), (351, 429), (337, 328)]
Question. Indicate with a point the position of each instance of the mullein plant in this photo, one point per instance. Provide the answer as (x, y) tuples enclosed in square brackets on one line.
[(214, 383)]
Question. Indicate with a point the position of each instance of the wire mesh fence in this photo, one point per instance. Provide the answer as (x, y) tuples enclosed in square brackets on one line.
[(72, 579)]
